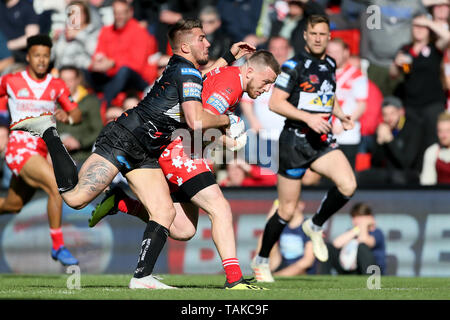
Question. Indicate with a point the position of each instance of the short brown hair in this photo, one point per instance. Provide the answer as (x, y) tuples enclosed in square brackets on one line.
[(360, 209), (317, 18), (265, 58), (181, 27), (444, 116)]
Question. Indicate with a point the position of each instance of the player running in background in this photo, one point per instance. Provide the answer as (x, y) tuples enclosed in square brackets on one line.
[(191, 181), (30, 93), (133, 143), (305, 94)]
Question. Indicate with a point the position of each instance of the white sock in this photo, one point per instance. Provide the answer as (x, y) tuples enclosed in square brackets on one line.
[(261, 260), (315, 227)]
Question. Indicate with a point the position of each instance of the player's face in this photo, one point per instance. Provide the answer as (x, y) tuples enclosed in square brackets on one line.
[(443, 132), (316, 38), (38, 58), (199, 46), (391, 116), (260, 81)]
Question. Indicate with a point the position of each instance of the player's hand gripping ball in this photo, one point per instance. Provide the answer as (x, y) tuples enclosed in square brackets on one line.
[(237, 132)]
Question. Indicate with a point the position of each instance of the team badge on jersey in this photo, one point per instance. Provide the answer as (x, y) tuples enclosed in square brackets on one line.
[(23, 93), (313, 79)]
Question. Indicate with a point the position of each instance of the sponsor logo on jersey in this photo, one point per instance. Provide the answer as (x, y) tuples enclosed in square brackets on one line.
[(218, 102), (316, 102), (283, 80), (191, 71), (23, 93), (192, 90), (291, 64)]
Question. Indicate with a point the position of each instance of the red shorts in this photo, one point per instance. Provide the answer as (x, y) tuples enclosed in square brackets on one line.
[(21, 146), (178, 166)]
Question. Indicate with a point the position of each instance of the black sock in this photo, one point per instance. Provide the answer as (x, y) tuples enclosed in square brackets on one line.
[(155, 236), (271, 234), (66, 173), (333, 201)]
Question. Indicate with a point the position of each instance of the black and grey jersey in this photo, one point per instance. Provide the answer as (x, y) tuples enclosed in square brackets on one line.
[(311, 84), (160, 112)]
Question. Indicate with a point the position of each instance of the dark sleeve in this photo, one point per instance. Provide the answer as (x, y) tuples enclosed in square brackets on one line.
[(189, 84), (30, 15), (287, 79), (404, 149)]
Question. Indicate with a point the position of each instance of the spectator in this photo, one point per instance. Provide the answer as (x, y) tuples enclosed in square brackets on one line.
[(239, 17), (348, 15), (380, 43), (351, 92), (436, 161), (293, 25), (79, 139), (242, 174), (77, 44), (440, 10), (130, 101), (266, 124), (18, 21), (6, 58), (420, 62), (120, 60), (219, 41), (358, 248), (396, 157), (293, 254)]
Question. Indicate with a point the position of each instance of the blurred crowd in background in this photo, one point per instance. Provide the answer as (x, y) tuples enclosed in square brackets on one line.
[(393, 73)]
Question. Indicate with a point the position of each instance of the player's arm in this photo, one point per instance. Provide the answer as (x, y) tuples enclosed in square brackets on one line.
[(346, 119), (237, 51), (197, 118), (279, 103), (70, 113), (301, 265)]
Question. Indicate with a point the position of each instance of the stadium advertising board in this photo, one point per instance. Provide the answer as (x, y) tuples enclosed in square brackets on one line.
[(415, 223)]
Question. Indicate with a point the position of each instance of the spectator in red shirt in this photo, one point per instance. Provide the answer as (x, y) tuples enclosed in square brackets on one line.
[(242, 174), (120, 60)]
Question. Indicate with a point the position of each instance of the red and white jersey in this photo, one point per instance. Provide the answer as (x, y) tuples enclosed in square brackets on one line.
[(351, 87), (222, 90), (28, 97)]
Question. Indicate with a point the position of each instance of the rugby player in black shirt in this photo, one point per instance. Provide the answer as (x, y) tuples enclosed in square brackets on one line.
[(305, 94)]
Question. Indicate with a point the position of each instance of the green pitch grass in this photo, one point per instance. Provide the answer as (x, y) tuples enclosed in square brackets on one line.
[(207, 287)]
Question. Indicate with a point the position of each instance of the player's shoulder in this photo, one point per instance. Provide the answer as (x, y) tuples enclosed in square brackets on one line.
[(56, 83), (292, 63)]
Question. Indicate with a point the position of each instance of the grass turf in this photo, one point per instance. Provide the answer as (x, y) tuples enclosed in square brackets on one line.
[(209, 287)]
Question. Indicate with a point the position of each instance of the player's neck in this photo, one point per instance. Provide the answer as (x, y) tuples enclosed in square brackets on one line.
[(33, 75), (188, 57), (319, 56)]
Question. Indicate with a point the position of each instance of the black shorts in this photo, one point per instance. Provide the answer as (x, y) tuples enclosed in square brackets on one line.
[(298, 150), (116, 144)]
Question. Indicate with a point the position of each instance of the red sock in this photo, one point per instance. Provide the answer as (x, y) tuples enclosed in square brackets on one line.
[(130, 206), (57, 238), (232, 269)]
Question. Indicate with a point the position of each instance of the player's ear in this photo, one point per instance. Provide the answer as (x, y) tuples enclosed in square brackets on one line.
[(304, 35), (185, 48)]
